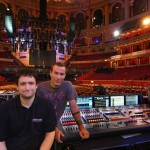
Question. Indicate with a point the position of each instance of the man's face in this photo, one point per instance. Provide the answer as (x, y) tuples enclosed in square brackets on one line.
[(58, 75), (27, 87)]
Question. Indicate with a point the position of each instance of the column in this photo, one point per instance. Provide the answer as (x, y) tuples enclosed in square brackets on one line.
[(106, 13), (148, 5), (131, 7), (88, 14), (126, 9)]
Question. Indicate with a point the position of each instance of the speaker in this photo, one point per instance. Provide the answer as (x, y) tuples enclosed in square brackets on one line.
[(43, 9), (41, 58), (43, 46)]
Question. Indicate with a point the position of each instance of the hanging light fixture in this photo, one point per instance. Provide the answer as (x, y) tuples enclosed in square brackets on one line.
[(69, 1), (57, 0)]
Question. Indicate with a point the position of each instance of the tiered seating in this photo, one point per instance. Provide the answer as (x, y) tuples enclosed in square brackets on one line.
[(90, 61), (2, 78), (93, 57), (6, 60), (88, 89), (85, 65), (130, 73), (8, 86)]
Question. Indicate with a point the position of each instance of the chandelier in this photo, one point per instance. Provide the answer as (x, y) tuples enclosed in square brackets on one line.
[(68, 1), (57, 0)]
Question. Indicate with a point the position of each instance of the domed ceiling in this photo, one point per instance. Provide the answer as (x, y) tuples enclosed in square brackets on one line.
[(64, 5), (81, 4)]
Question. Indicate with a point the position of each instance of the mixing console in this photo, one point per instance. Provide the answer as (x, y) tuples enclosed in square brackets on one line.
[(102, 117), (108, 118)]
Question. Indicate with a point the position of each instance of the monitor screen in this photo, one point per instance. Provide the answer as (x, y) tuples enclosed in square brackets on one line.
[(117, 100), (101, 101), (132, 99), (85, 101)]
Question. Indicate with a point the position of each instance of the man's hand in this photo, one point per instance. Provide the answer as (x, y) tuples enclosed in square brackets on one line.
[(84, 133), (58, 135), (77, 117)]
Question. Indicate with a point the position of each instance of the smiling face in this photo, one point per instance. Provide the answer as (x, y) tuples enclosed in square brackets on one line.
[(27, 87), (58, 74)]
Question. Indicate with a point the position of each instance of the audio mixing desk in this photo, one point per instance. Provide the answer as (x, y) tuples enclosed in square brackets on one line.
[(113, 121)]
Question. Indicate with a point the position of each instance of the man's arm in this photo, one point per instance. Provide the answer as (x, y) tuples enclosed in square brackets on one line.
[(3, 145), (48, 141), (76, 114), (58, 135)]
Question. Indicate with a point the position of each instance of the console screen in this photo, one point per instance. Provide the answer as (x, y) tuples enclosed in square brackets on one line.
[(101, 101), (117, 100), (131, 99), (85, 101)]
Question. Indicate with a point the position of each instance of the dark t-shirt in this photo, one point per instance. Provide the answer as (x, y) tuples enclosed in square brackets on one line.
[(58, 96), (24, 128)]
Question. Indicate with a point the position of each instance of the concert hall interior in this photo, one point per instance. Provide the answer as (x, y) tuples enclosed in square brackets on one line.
[(105, 45)]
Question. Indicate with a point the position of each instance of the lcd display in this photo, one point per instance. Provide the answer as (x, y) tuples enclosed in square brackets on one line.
[(101, 101), (131, 99), (117, 100), (85, 102)]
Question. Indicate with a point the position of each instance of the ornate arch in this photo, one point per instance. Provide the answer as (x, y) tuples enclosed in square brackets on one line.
[(80, 19), (117, 11), (29, 13), (97, 9), (61, 14), (118, 1), (93, 13), (3, 9)]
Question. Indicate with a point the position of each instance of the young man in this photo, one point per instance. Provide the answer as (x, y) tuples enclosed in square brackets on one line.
[(59, 92), (27, 121)]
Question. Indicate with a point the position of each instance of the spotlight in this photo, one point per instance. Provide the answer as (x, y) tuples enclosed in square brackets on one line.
[(116, 33)]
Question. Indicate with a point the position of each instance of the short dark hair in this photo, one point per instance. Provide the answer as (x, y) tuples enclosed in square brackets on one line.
[(26, 72), (60, 64)]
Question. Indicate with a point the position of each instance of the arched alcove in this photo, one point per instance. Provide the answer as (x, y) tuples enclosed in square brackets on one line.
[(98, 18), (80, 21), (117, 12)]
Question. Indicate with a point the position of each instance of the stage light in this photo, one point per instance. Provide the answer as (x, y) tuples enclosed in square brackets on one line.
[(57, 0), (116, 33), (146, 21)]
